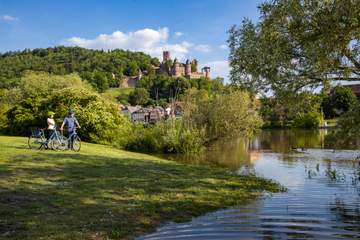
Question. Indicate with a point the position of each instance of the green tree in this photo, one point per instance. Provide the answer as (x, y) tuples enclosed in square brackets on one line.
[(100, 121), (339, 101), (40, 84), (347, 132), (217, 85), (100, 80), (288, 109), (132, 69), (27, 106), (223, 115), (140, 96), (297, 44)]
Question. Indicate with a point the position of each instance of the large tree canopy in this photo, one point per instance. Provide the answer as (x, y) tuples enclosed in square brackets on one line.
[(296, 44)]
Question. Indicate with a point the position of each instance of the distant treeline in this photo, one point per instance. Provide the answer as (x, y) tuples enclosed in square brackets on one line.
[(103, 69)]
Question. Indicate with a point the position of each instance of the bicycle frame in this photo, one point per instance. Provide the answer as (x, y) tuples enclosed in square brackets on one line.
[(56, 139), (54, 135)]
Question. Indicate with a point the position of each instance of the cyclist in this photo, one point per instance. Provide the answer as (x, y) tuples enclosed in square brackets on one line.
[(71, 122), (51, 126)]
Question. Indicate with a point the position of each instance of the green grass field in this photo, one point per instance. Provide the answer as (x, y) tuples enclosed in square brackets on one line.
[(105, 193)]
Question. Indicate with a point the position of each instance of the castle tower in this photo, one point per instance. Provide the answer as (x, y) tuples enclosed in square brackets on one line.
[(187, 68), (206, 70), (194, 64), (176, 68), (166, 56)]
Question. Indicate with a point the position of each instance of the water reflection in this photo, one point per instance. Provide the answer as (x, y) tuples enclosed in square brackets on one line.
[(239, 152), (323, 201)]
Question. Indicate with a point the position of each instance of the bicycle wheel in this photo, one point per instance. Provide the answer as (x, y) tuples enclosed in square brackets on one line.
[(58, 144), (35, 142), (77, 144), (63, 143)]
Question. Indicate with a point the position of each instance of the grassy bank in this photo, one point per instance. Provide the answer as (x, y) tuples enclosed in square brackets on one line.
[(112, 94), (104, 193)]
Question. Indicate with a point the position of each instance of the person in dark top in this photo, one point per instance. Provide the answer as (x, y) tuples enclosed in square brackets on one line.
[(72, 123)]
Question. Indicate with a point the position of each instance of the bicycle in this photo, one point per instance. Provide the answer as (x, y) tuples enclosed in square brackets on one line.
[(74, 144), (57, 141), (37, 139)]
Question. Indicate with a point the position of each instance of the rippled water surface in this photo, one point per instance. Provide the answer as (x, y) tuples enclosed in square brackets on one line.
[(322, 201)]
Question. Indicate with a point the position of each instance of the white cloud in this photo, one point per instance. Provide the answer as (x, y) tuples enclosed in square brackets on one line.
[(202, 48), (223, 46), (141, 39), (178, 34), (147, 40), (9, 18), (219, 68)]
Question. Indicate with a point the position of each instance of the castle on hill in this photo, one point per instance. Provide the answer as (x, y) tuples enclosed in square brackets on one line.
[(172, 68), (178, 69)]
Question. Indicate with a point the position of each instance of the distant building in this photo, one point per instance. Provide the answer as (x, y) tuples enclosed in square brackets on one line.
[(172, 68), (156, 114), (178, 69), (129, 110), (141, 115), (144, 115), (130, 81)]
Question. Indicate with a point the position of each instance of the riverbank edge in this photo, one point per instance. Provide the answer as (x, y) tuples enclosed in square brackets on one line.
[(106, 193)]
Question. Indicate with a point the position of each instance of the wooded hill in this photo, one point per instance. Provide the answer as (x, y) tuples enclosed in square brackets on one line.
[(103, 69)]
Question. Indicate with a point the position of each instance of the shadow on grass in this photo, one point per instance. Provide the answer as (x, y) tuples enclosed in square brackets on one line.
[(77, 196)]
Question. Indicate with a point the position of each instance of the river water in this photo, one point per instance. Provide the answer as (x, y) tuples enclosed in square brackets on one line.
[(322, 201)]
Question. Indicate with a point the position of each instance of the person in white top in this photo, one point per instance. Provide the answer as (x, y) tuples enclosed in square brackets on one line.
[(51, 125)]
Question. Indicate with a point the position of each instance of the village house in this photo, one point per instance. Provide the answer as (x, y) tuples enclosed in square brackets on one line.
[(129, 110), (157, 113), (143, 114)]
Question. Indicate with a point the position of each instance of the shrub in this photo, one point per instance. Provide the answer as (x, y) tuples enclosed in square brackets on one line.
[(177, 138), (143, 139), (166, 137), (26, 114), (100, 120), (347, 132), (221, 115), (3, 118), (307, 120)]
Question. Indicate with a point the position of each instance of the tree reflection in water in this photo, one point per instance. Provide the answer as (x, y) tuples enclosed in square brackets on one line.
[(322, 201)]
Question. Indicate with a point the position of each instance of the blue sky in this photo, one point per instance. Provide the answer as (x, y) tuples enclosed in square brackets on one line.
[(188, 28)]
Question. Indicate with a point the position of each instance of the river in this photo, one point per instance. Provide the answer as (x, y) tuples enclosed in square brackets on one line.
[(322, 201)]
